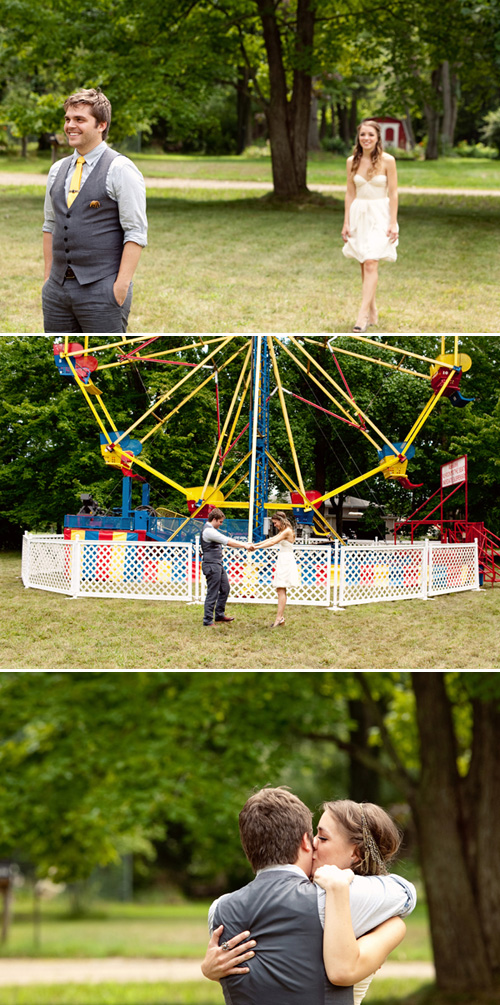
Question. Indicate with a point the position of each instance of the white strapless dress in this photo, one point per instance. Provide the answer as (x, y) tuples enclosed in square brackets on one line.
[(369, 219), (286, 572), (360, 989)]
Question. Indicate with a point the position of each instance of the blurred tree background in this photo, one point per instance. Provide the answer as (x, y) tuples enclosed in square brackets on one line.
[(211, 78), (94, 765), (49, 448)]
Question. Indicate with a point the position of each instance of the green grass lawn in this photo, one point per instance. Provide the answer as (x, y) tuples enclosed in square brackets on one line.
[(459, 631), (382, 992), (163, 931), (323, 169), (224, 262)]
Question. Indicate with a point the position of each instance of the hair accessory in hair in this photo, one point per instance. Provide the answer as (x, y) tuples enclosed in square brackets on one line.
[(371, 847)]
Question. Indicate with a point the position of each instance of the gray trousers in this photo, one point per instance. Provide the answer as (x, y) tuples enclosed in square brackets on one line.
[(217, 591), (89, 308)]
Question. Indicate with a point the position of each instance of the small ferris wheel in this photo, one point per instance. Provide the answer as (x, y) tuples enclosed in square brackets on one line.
[(253, 370)]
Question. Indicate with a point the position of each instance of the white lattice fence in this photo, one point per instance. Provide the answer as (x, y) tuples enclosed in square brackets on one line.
[(453, 568), (120, 569), (161, 571), (46, 564), (251, 576), (389, 572)]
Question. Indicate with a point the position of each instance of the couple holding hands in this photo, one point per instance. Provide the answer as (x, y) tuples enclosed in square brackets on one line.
[(286, 573)]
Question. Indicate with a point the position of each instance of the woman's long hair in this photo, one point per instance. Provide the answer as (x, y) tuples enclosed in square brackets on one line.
[(284, 520), (376, 154), (374, 833)]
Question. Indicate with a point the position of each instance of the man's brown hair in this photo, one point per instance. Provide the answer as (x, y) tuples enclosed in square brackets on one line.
[(272, 825), (216, 514), (100, 105)]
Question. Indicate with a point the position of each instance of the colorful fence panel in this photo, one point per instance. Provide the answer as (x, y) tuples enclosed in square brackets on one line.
[(453, 568), (385, 572), (251, 576), (122, 569)]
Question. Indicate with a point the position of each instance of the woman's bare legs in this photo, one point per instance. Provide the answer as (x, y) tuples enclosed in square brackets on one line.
[(369, 279), (281, 591)]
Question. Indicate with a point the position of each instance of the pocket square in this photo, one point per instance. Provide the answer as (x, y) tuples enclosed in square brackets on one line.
[(94, 204)]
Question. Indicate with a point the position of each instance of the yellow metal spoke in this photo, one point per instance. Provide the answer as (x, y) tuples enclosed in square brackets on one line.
[(231, 409), (290, 485), (193, 393), (354, 419), (240, 407), (426, 413), (372, 359), (285, 413), (220, 441), (125, 361), (192, 516), (171, 391), (388, 462), (344, 395), (393, 348), (88, 399)]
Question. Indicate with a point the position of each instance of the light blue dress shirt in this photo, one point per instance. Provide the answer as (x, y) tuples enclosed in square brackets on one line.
[(373, 899), (124, 184)]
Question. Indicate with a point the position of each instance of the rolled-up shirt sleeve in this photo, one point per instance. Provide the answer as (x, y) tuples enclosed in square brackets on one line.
[(49, 217), (125, 184), (211, 534), (374, 899)]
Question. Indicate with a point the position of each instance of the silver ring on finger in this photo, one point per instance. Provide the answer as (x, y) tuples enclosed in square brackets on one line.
[(226, 947)]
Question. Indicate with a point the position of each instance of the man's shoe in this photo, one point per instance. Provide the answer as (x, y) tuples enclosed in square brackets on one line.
[(224, 618), (211, 624)]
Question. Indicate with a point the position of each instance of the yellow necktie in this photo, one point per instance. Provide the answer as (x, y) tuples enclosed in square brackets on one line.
[(76, 180)]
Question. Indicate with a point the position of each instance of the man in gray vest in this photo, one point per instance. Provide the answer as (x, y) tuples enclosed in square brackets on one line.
[(212, 543), (284, 911), (94, 227)]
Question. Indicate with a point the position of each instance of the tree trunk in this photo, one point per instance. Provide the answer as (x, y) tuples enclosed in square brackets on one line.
[(449, 82), (343, 118), (332, 108), (313, 141), (458, 937), (364, 782), (243, 110), (288, 121), (353, 118), (481, 805), (432, 118)]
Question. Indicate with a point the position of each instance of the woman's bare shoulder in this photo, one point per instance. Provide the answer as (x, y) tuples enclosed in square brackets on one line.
[(388, 158)]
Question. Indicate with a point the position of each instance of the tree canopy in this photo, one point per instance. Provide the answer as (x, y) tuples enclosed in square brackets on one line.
[(163, 62), (49, 448), (124, 758)]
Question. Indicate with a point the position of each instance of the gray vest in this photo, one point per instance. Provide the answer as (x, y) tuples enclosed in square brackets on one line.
[(88, 235), (212, 551), (281, 911)]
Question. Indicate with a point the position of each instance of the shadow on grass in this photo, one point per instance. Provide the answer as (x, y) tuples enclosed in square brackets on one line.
[(429, 994), (434, 208)]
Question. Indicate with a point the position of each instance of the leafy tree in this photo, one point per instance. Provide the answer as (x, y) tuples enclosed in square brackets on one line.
[(49, 450), (120, 757)]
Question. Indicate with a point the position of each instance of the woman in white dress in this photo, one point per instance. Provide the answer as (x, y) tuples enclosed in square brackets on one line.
[(286, 573), (351, 838), (354, 838), (370, 230)]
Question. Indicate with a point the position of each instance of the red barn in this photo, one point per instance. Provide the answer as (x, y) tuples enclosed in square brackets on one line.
[(394, 133)]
